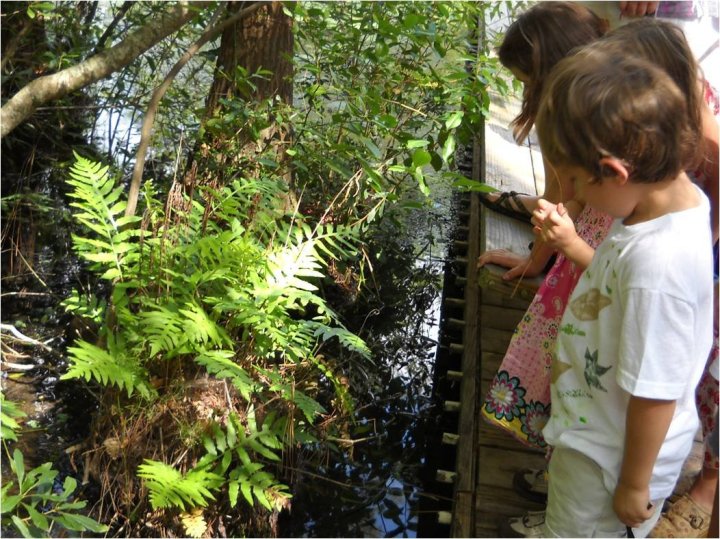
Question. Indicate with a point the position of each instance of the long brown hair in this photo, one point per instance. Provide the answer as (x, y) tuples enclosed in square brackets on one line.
[(537, 40)]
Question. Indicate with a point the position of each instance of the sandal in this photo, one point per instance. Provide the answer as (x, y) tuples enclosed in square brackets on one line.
[(531, 484), (685, 518), (507, 204), (531, 524)]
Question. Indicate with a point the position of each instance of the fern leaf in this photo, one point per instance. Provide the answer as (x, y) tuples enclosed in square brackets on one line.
[(101, 209), (348, 339), (168, 488), (91, 362), (199, 327), (163, 328)]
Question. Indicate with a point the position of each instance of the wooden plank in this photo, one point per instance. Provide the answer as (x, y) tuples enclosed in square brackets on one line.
[(492, 316), (502, 465), (502, 299), (490, 276), (494, 340)]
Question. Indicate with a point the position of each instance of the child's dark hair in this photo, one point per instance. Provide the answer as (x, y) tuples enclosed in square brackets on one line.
[(602, 103), (537, 40)]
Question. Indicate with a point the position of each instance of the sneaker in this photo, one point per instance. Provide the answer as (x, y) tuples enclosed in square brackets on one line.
[(531, 484), (531, 524)]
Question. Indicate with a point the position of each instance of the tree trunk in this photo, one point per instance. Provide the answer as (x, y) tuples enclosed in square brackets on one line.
[(50, 87), (263, 40)]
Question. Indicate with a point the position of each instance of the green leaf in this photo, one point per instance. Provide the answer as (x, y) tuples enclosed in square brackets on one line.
[(233, 491), (417, 143), (18, 466), (8, 503), (21, 526), (245, 487), (420, 158), (454, 120), (38, 519), (448, 149), (80, 523), (69, 485)]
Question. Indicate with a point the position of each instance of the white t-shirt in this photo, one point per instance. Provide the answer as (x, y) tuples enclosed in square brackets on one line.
[(639, 322)]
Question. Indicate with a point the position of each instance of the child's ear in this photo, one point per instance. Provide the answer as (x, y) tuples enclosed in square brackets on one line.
[(611, 167)]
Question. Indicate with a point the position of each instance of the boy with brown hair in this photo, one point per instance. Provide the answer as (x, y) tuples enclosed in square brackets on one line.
[(638, 328)]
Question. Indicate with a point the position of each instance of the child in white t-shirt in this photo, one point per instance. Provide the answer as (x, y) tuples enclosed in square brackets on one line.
[(638, 328)]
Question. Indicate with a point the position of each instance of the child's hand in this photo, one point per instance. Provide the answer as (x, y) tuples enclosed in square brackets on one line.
[(519, 265), (555, 227), (501, 257), (632, 506), (540, 213)]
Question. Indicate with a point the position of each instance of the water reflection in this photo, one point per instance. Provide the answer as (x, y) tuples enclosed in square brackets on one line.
[(373, 489)]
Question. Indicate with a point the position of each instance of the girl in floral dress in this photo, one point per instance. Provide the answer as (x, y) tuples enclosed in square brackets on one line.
[(519, 398)]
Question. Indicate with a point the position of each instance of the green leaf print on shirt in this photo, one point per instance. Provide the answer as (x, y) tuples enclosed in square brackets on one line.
[(593, 371), (569, 329)]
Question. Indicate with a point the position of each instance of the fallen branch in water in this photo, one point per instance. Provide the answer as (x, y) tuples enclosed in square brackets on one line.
[(24, 338)]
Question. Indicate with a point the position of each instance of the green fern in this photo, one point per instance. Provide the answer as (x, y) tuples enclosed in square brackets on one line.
[(101, 211), (9, 413), (248, 477), (238, 280), (348, 339), (163, 329), (169, 488), (86, 306), (256, 484), (286, 387), (109, 367)]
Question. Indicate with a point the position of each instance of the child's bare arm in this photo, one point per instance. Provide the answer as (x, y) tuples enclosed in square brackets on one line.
[(647, 424), (527, 266)]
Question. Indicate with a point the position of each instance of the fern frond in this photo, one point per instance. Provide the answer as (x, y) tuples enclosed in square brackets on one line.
[(9, 412), (86, 306), (200, 328), (256, 484), (194, 523), (163, 327), (101, 212), (348, 339), (107, 367), (307, 405), (169, 488)]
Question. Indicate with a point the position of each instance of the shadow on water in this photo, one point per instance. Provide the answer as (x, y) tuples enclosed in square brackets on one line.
[(374, 487)]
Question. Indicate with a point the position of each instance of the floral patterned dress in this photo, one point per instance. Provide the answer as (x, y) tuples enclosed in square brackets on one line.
[(519, 396)]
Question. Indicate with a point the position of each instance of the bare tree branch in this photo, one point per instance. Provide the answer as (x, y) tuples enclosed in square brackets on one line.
[(44, 89), (160, 91), (106, 34)]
